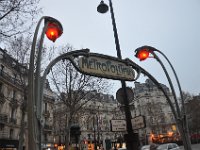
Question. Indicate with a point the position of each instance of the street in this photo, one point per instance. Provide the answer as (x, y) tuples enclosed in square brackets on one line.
[(194, 147)]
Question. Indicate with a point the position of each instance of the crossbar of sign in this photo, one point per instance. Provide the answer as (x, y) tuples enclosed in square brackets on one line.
[(118, 125)]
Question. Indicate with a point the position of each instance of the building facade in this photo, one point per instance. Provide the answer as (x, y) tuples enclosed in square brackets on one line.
[(152, 104), (93, 119), (13, 101), (193, 112)]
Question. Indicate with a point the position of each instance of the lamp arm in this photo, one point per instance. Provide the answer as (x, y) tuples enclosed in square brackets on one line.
[(37, 74), (177, 80), (32, 138), (183, 117), (170, 82)]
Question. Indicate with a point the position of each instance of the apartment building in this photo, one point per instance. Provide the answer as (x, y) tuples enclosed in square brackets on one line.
[(93, 119), (13, 99), (152, 104), (13, 77)]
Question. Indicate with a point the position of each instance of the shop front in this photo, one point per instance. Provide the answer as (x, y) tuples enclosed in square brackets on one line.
[(8, 144)]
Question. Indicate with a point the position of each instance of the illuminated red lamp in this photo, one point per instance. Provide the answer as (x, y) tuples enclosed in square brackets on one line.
[(53, 31), (142, 54)]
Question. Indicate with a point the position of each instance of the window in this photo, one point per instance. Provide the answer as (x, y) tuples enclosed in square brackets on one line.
[(14, 77), (14, 94), (45, 106), (170, 146), (1, 70), (11, 133), (1, 86), (1, 127), (174, 145)]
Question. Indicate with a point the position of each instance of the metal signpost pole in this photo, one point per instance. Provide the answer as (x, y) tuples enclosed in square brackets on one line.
[(130, 136)]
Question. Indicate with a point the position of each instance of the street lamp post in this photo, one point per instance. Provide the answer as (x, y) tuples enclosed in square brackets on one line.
[(142, 53), (130, 142), (53, 29)]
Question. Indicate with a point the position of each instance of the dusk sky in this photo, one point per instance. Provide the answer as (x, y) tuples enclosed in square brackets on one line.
[(172, 26)]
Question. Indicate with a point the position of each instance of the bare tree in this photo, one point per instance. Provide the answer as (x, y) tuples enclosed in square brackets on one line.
[(74, 90), (16, 16)]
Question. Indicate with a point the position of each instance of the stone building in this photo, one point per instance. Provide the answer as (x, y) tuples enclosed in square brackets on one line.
[(13, 80), (193, 112), (93, 120), (152, 104), (13, 99)]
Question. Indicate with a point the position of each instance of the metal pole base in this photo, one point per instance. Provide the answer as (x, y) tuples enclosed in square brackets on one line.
[(132, 141)]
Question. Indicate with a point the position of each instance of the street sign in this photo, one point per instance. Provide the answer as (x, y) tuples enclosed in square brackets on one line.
[(138, 122), (118, 125), (106, 67), (120, 95)]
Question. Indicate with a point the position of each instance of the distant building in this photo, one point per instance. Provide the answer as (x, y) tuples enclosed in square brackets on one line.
[(193, 112), (94, 119), (150, 102)]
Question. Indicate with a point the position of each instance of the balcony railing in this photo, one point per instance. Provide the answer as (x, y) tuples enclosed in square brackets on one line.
[(4, 134)]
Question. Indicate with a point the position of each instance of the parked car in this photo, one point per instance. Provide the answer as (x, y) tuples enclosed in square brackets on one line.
[(145, 147), (168, 146), (149, 147)]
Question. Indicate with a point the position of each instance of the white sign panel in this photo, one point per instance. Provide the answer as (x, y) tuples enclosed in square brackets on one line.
[(138, 122), (106, 68), (118, 125)]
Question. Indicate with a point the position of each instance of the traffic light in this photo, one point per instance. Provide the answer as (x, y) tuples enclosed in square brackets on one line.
[(142, 54), (54, 30)]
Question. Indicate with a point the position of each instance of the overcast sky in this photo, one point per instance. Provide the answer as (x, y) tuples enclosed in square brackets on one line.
[(172, 26)]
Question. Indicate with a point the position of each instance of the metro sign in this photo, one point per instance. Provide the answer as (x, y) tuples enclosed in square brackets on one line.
[(106, 68)]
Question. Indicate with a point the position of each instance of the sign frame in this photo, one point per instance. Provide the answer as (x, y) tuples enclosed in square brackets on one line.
[(138, 122), (118, 125), (106, 67)]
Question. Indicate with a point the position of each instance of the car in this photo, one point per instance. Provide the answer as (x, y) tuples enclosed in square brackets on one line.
[(168, 146), (152, 146), (145, 147)]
